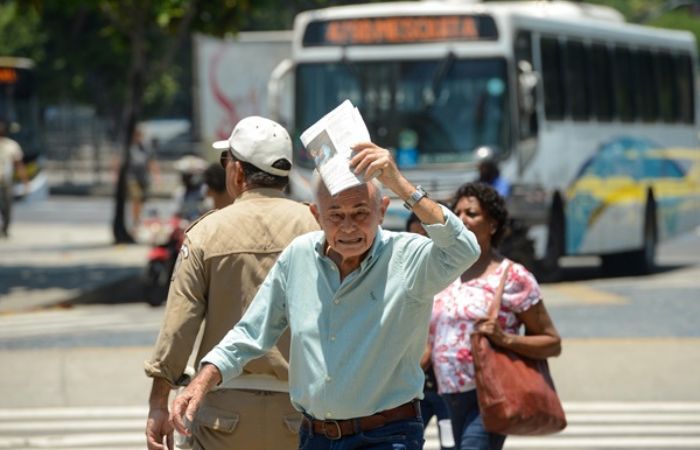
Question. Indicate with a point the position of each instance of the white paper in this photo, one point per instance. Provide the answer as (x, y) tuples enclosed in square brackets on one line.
[(329, 141)]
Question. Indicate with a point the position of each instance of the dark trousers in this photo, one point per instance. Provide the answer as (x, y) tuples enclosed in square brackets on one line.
[(467, 425), (399, 435), (434, 405), (5, 206)]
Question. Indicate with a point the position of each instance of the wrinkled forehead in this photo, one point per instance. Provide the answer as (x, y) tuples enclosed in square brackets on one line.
[(362, 195)]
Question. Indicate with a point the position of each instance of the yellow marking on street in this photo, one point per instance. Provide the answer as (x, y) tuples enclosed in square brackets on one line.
[(576, 293)]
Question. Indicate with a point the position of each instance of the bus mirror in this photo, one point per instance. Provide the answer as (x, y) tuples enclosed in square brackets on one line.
[(527, 81), (276, 90)]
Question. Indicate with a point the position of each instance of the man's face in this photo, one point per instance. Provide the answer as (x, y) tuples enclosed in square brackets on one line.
[(350, 219)]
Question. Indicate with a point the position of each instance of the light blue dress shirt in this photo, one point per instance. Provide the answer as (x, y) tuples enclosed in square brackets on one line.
[(355, 345)]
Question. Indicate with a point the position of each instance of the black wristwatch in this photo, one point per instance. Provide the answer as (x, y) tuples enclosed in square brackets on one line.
[(418, 194)]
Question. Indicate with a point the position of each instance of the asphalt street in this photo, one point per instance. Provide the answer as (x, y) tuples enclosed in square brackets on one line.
[(628, 374)]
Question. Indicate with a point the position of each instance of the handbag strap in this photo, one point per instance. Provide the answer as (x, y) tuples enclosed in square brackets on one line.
[(496, 302)]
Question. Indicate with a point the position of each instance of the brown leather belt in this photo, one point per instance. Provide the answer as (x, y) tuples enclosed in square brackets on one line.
[(336, 429)]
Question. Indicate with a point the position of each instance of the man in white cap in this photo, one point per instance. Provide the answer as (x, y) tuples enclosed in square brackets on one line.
[(225, 257)]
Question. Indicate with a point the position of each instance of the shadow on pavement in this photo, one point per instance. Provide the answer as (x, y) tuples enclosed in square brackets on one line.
[(82, 283)]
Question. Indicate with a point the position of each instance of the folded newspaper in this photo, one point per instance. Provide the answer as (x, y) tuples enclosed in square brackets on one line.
[(329, 141)]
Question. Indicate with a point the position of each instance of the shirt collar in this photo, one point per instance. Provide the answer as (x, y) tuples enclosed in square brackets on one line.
[(257, 193)]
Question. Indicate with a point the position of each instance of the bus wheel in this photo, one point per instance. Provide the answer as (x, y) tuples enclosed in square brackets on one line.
[(637, 262), (549, 269)]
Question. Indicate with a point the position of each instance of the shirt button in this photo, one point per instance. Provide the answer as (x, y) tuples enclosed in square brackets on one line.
[(328, 380), (328, 414), (337, 302), (332, 338)]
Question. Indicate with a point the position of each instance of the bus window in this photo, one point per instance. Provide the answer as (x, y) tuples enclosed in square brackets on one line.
[(448, 107), (554, 100), (18, 105), (645, 85), (577, 89), (527, 83), (667, 88), (686, 91), (624, 87), (601, 83)]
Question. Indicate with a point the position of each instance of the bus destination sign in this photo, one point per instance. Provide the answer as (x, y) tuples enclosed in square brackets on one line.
[(8, 75), (400, 30)]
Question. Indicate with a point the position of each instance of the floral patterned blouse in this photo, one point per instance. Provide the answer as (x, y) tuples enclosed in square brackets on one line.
[(457, 308)]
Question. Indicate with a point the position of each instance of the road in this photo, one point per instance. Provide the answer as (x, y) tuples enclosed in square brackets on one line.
[(628, 374)]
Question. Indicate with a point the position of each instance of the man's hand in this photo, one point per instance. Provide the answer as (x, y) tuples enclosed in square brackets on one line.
[(187, 403), (370, 160), (159, 429)]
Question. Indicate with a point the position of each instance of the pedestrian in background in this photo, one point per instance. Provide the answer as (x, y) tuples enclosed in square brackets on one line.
[(140, 172), (462, 308), (216, 192), (489, 172), (225, 257), (432, 404), (190, 194), (357, 300), (10, 163)]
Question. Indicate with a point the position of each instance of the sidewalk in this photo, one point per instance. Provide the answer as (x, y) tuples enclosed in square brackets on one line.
[(46, 264)]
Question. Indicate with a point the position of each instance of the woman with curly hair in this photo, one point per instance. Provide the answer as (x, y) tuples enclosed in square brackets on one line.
[(462, 308)]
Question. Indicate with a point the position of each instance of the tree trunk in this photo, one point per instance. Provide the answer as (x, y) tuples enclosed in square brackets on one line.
[(132, 111), (119, 230)]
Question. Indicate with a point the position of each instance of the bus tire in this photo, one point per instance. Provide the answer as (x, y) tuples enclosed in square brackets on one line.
[(548, 267), (642, 261)]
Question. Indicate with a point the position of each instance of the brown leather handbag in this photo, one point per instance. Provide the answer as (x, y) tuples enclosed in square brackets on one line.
[(516, 394)]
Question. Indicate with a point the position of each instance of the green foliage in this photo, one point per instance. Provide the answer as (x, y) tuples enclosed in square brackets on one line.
[(85, 49), (20, 31)]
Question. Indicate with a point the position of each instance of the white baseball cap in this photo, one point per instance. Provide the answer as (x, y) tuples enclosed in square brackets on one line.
[(260, 142)]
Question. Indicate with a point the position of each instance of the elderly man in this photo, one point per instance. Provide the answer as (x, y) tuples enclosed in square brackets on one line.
[(357, 300), (225, 257)]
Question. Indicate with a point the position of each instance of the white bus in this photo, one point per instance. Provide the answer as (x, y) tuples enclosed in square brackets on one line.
[(593, 120)]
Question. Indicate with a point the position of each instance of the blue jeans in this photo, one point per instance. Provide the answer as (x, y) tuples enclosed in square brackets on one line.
[(433, 405), (467, 425), (399, 435)]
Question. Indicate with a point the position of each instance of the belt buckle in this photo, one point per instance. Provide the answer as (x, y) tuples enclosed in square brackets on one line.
[(337, 428)]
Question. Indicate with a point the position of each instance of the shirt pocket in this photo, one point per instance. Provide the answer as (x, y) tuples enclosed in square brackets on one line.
[(217, 419)]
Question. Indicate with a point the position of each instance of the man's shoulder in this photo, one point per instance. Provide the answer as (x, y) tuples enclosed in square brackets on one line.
[(201, 219), (303, 244)]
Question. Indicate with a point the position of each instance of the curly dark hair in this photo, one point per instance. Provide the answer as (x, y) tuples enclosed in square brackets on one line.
[(491, 202)]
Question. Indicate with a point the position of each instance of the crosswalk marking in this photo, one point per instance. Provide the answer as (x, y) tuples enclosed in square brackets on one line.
[(86, 318), (592, 426)]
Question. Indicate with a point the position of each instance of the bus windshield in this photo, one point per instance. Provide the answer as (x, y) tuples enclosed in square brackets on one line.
[(18, 105), (428, 112)]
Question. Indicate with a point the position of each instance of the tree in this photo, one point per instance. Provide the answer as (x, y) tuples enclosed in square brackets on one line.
[(116, 50)]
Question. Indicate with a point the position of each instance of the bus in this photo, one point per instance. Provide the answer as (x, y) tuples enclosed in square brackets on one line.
[(19, 107), (592, 119)]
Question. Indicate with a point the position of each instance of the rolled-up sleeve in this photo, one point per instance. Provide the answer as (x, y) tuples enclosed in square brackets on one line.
[(432, 264), (184, 313), (257, 331)]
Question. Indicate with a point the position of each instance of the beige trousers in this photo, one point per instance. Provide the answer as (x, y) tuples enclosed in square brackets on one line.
[(246, 420)]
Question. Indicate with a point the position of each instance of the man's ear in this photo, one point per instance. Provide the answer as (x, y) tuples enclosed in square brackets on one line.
[(313, 207), (384, 205)]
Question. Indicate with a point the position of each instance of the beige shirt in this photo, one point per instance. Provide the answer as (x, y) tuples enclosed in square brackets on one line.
[(225, 257), (10, 154)]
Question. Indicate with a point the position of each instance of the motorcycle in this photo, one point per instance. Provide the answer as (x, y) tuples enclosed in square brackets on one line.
[(166, 237)]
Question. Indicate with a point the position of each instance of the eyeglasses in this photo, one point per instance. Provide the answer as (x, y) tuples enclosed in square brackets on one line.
[(226, 156)]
